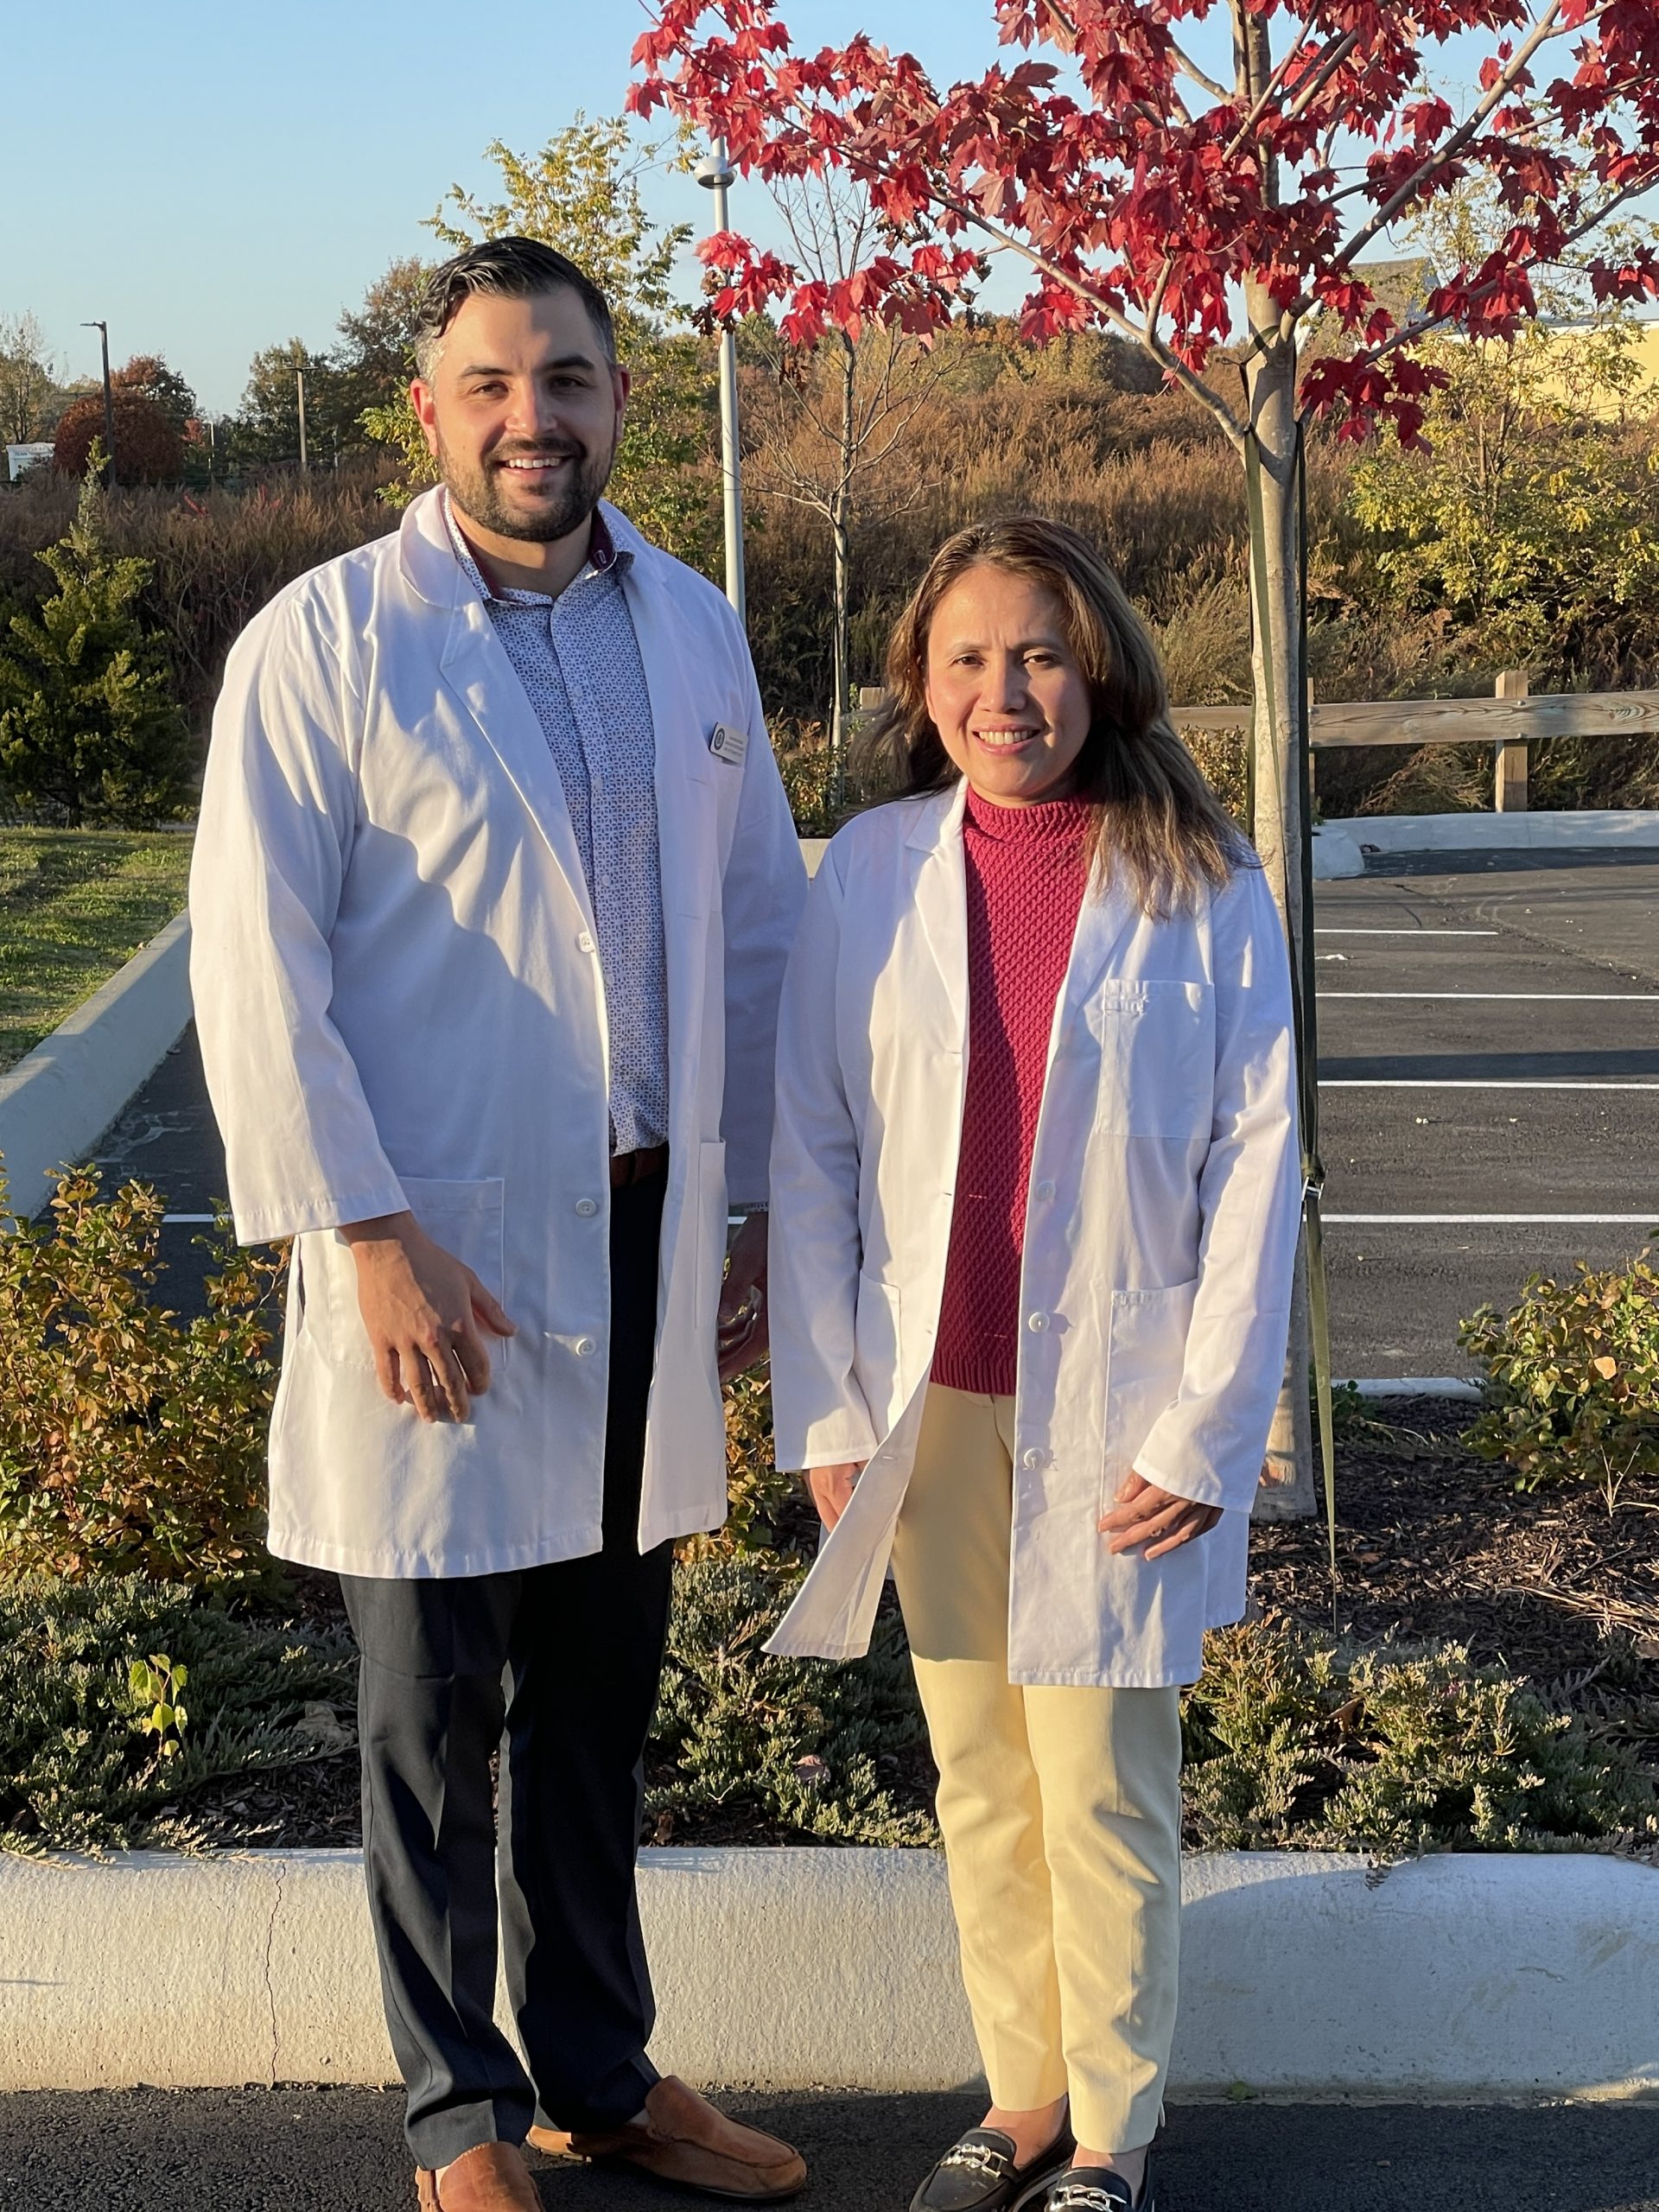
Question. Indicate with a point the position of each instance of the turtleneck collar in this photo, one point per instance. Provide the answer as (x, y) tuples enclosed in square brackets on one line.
[(1048, 819)]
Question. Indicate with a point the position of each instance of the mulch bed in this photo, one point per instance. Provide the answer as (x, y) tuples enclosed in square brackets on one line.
[(1431, 1545)]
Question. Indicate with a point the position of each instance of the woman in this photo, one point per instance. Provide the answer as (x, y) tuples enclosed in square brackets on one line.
[(1035, 1197)]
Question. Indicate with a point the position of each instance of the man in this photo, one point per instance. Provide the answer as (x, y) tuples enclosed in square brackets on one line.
[(493, 885)]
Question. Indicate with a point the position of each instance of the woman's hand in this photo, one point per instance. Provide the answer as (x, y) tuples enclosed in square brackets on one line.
[(832, 1489), (1157, 1518)]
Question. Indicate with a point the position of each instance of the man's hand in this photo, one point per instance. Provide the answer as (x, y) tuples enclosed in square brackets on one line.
[(1157, 1518), (743, 1332), (832, 1489), (423, 1310)]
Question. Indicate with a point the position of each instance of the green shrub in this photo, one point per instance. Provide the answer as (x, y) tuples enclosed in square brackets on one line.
[(801, 1745), (1572, 1389), (82, 1764), (130, 1440), (759, 1497), (1293, 1742), (88, 722)]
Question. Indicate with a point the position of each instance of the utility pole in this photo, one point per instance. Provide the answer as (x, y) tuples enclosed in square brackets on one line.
[(103, 330), (299, 380), (715, 171)]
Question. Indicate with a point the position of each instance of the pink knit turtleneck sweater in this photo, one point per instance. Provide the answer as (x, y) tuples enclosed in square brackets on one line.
[(1026, 869)]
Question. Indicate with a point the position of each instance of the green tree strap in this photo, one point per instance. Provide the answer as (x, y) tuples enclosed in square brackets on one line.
[(1303, 1004)]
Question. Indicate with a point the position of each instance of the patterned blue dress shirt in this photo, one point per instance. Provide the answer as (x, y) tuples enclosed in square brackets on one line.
[(579, 661)]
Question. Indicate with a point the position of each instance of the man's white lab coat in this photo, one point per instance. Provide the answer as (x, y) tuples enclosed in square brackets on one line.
[(399, 1001)]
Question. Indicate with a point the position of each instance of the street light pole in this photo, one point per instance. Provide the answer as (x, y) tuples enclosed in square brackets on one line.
[(299, 379), (103, 330), (715, 171)]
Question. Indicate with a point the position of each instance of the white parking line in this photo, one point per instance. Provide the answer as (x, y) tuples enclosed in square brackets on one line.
[(1490, 1220), (1320, 931), (1529, 998), (1471, 1083)]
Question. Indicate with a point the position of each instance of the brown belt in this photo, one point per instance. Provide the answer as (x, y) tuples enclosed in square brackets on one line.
[(628, 1167)]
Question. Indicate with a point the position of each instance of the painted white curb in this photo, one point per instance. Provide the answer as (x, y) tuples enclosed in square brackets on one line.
[(1302, 1974), (1335, 853), (58, 1099), (1419, 1386), (1588, 828)]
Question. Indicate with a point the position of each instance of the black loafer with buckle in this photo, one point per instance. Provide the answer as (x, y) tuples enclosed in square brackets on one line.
[(981, 2173), (1087, 2188)]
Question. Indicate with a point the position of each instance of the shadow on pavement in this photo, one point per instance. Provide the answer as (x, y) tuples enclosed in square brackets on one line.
[(308, 2150)]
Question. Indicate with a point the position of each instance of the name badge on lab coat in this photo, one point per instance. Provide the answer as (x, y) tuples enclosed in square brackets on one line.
[(730, 745)]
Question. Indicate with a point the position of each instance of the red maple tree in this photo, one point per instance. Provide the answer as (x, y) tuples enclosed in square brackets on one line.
[(1189, 207), (1186, 211)]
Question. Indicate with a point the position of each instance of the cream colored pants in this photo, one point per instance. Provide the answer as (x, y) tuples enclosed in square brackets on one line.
[(1060, 1807)]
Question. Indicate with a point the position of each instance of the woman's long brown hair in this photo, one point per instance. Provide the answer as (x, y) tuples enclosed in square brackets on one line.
[(1157, 823)]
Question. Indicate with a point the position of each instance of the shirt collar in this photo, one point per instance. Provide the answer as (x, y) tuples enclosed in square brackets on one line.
[(604, 555)]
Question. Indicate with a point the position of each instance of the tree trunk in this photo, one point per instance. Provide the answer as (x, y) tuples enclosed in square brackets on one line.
[(840, 619), (1279, 676), (841, 613)]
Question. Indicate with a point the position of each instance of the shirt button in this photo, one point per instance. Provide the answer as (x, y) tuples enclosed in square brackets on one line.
[(584, 943), (586, 1347), (587, 1208), (1033, 1458), (1037, 1321), (1045, 1189)]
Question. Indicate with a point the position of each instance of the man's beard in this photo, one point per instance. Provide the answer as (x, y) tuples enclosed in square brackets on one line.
[(474, 487)]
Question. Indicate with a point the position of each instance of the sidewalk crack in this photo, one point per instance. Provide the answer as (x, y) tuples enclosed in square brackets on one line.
[(270, 1986)]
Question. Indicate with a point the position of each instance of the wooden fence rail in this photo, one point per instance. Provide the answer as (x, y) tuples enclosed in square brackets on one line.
[(1508, 723)]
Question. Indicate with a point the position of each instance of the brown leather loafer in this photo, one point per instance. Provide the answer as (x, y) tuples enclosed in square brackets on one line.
[(687, 2143), (491, 2178)]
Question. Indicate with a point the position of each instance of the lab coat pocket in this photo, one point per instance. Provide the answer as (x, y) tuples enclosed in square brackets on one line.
[(1157, 1057), (711, 1231), (876, 1350), (1143, 1372), (469, 1220)]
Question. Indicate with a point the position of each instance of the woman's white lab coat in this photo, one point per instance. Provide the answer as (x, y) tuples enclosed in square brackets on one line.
[(1161, 1237), (399, 1001)]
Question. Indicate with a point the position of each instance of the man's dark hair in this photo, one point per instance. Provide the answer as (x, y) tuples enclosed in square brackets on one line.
[(510, 268)]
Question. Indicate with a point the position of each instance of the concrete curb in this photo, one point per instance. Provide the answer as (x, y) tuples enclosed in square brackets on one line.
[(1586, 829), (58, 1099), (1419, 1386), (1303, 1975)]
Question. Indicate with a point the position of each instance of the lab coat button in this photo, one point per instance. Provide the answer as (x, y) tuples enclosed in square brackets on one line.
[(584, 943), (1031, 1457), (587, 1208), (1045, 1189), (586, 1347), (1037, 1321)]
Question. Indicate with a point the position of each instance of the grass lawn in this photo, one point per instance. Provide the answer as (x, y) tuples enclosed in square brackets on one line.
[(75, 904)]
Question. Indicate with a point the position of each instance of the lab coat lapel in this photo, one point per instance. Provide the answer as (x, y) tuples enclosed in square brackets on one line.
[(685, 772), (1104, 920), (475, 667), (939, 901)]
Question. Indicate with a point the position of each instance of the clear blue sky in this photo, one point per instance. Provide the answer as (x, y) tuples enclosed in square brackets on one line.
[(212, 180)]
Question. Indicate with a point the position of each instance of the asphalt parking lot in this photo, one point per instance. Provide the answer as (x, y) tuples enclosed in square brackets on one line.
[(341, 2150), (1488, 1040), (1489, 1063)]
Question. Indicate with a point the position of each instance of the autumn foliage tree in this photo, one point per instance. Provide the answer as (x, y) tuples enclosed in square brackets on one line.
[(1202, 174), (148, 449)]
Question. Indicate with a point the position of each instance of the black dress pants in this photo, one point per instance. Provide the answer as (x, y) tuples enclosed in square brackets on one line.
[(559, 1667)]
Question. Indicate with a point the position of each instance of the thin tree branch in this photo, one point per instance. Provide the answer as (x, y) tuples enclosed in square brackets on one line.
[(1309, 92), (1502, 87), (1171, 362), (1190, 70), (1411, 334)]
